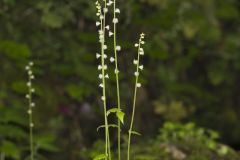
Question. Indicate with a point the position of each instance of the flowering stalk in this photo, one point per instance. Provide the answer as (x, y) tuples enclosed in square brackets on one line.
[(115, 20), (101, 13), (31, 104), (137, 85)]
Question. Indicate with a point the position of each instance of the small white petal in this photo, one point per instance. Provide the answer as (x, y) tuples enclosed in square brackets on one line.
[(29, 84), (31, 63), (29, 72), (27, 68), (27, 96), (136, 74), (100, 76), (32, 90), (98, 55), (105, 56), (136, 45), (141, 67), (101, 85), (116, 71), (107, 27), (139, 85), (103, 98), (99, 67), (29, 111), (31, 125), (105, 10), (110, 33), (32, 77), (105, 67), (107, 76), (105, 47), (135, 61), (118, 48), (112, 59), (32, 104), (117, 10), (115, 20), (98, 23)]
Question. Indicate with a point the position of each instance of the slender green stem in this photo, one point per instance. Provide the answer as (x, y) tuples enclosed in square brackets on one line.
[(30, 120), (117, 78), (134, 105), (107, 139)]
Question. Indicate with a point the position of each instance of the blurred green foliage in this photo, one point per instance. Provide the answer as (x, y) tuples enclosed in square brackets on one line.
[(192, 70), (183, 142)]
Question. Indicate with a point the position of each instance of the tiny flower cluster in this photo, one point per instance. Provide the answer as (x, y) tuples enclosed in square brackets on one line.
[(136, 61), (31, 90)]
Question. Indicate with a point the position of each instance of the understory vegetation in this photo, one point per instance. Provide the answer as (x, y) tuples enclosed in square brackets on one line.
[(85, 101)]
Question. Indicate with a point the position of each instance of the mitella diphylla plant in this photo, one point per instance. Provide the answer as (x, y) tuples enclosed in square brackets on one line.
[(31, 105), (103, 8)]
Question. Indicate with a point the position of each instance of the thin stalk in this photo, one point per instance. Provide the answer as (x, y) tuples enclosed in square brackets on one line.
[(107, 139), (30, 120), (134, 105), (117, 78)]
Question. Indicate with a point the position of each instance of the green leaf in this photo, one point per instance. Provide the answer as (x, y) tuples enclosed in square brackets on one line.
[(110, 125), (136, 133), (10, 149), (99, 157), (112, 110), (120, 115)]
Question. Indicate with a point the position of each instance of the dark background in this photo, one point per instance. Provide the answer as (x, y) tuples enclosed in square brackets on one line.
[(192, 70)]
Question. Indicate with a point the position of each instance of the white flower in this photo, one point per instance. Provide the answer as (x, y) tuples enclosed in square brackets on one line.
[(117, 10), (142, 42), (141, 52), (115, 20), (28, 84), (100, 31), (98, 23), (107, 27), (27, 96), (139, 85), (110, 33), (29, 111), (32, 90), (27, 68), (118, 48), (100, 76), (136, 74), (104, 56), (105, 10), (105, 47), (141, 67), (101, 85), (31, 125), (105, 67), (32, 77), (116, 71), (110, 3), (32, 104), (101, 17), (112, 59), (103, 98), (98, 55), (107, 76), (31, 63), (99, 67), (135, 61), (136, 45), (98, 14), (29, 72)]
